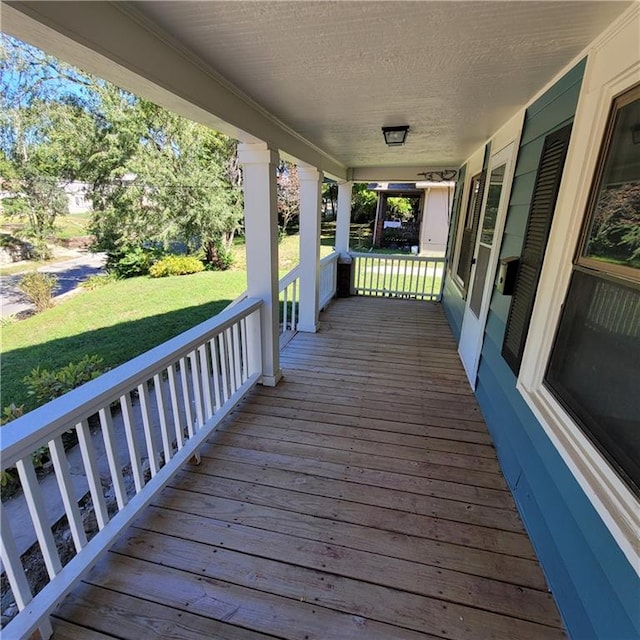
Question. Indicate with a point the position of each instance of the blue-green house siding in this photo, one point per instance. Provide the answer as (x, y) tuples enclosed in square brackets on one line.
[(596, 588)]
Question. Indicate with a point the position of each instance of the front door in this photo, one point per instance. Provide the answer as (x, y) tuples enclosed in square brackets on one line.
[(485, 258)]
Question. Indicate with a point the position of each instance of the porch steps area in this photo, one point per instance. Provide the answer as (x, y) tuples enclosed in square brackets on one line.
[(360, 498)]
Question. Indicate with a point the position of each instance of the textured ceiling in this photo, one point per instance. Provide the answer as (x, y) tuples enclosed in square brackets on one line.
[(337, 71)]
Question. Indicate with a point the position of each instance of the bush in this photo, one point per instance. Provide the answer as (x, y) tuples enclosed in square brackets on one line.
[(132, 262), (44, 385), (95, 282), (175, 266), (39, 288), (8, 477)]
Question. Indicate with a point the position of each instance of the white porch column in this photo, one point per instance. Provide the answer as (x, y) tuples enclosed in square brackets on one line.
[(310, 180), (343, 219), (261, 228)]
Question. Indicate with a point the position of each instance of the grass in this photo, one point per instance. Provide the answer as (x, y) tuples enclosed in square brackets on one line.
[(72, 226), (118, 322), (128, 317)]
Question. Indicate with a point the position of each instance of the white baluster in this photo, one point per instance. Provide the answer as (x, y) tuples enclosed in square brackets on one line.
[(112, 457), (132, 442), (167, 446), (175, 406), (67, 492), (90, 462), (149, 436), (39, 517)]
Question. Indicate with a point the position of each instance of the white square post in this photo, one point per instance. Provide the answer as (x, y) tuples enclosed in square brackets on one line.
[(310, 180), (261, 229), (343, 219)]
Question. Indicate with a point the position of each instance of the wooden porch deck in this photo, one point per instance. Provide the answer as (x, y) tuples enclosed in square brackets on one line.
[(361, 498)]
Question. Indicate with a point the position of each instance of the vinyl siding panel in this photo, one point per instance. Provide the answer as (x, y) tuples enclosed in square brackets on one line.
[(595, 586), (453, 307)]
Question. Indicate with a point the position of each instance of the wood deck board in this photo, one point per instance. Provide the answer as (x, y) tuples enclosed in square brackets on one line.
[(361, 498)]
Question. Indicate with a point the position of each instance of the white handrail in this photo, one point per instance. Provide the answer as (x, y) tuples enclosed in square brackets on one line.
[(182, 389), (398, 275)]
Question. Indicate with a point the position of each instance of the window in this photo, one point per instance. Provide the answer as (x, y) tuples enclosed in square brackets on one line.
[(594, 366), (472, 218)]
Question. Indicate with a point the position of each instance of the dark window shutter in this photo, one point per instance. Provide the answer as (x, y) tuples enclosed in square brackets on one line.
[(469, 236), (543, 203)]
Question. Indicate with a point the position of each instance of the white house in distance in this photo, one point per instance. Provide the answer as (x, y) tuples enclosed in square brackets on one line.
[(536, 106), (77, 197), (429, 232)]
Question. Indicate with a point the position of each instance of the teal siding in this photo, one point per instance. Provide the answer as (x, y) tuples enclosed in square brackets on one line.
[(595, 586), (597, 590), (453, 306)]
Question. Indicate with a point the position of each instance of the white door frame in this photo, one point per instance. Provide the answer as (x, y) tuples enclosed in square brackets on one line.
[(472, 333)]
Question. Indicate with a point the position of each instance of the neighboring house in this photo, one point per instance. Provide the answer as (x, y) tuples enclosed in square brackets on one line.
[(427, 232), (78, 197), (537, 106)]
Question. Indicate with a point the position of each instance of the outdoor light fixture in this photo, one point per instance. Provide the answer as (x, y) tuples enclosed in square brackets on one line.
[(395, 136)]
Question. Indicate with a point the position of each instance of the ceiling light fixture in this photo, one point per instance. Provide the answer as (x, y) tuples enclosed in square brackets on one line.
[(395, 136)]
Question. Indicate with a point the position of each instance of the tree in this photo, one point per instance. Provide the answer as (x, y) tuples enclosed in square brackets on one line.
[(155, 177), (165, 179), (288, 195), (400, 208), (45, 136), (363, 203), (330, 197)]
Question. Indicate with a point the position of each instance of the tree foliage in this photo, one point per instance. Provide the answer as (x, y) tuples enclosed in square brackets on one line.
[(615, 232), (363, 203), (155, 177), (288, 195), (44, 134)]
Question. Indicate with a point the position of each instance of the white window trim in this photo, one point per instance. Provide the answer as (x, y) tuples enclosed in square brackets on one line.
[(474, 167), (612, 68)]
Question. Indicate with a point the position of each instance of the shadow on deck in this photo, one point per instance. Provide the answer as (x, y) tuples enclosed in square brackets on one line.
[(361, 498)]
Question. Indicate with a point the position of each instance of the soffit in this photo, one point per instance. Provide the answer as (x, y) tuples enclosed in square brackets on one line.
[(335, 72)]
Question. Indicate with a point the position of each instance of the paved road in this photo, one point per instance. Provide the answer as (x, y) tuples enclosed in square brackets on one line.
[(70, 273)]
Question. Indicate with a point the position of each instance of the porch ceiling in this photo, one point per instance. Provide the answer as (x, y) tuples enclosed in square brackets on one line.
[(337, 71), (318, 79)]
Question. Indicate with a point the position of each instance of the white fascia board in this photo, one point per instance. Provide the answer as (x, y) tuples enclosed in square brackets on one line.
[(113, 42)]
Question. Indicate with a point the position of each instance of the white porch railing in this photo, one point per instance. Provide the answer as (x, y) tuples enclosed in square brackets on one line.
[(163, 404), (289, 289), (328, 278), (397, 276)]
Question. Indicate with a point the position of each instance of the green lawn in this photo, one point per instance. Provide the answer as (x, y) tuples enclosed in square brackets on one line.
[(125, 318), (118, 322)]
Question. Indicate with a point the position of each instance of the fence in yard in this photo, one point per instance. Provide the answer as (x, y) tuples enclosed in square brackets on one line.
[(163, 404), (397, 276)]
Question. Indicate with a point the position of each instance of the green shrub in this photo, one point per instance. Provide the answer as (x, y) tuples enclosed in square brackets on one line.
[(175, 266), (132, 262), (217, 257), (11, 413), (97, 281), (39, 288), (9, 477), (44, 385)]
